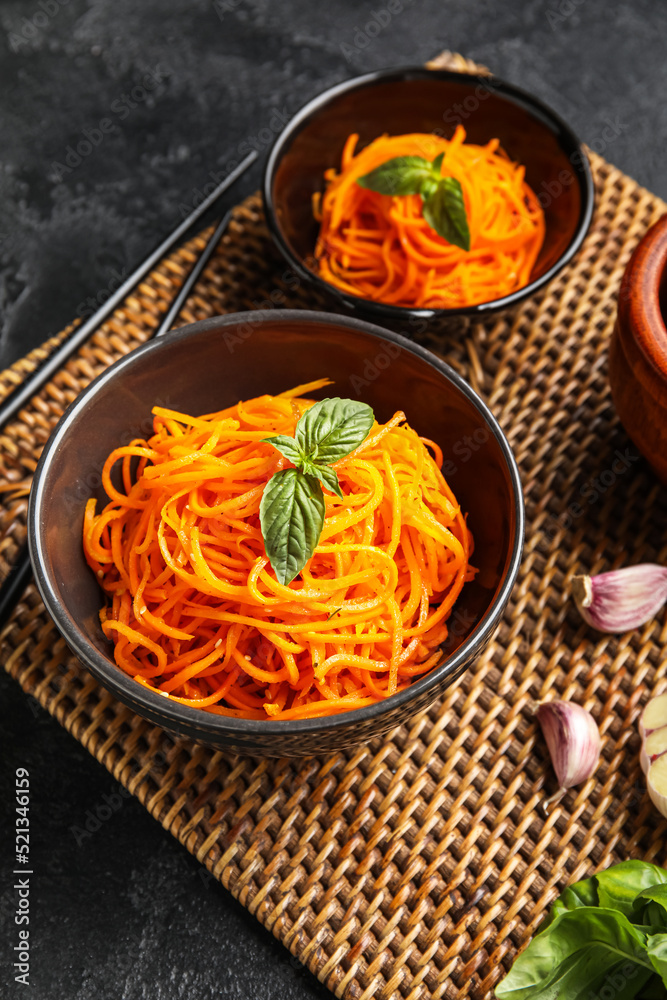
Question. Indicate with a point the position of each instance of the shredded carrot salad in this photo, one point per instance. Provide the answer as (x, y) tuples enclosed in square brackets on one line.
[(380, 247), (196, 612)]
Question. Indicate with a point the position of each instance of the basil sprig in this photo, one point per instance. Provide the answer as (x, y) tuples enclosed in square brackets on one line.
[(606, 934), (442, 197), (291, 511)]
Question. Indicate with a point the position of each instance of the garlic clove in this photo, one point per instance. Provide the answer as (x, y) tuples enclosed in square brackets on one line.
[(622, 599), (653, 746), (573, 739), (657, 784), (654, 715), (653, 756)]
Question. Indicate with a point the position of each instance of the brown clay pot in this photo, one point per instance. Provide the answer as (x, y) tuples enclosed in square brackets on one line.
[(638, 353)]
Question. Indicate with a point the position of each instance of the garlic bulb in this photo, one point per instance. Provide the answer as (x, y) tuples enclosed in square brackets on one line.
[(622, 599), (656, 782), (573, 739), (653, 757), (654, 715)]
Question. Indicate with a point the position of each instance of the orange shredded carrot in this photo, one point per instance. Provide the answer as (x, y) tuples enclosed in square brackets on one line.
[(195, 611), (381, 248)]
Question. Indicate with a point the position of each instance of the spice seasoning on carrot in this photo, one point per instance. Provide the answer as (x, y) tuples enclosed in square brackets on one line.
[(385, 248), (197, 612)]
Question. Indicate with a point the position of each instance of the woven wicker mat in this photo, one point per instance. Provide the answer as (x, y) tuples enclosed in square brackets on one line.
[(416, 866)]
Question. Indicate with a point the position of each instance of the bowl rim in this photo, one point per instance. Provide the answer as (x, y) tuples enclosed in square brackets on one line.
[(209, 723), (567, 138)]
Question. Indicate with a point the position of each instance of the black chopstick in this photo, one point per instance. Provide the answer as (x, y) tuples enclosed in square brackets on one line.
[(24, 392), (19, 575), (14, 584), (174, 309)]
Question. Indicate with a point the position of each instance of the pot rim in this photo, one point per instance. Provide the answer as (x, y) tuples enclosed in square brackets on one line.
[(639, 297)]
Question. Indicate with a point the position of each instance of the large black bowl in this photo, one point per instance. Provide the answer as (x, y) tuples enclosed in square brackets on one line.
[(416, 99), (213, 364)]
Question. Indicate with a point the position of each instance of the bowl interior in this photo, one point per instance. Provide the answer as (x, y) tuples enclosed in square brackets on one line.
[(220, 361), (423, 101)]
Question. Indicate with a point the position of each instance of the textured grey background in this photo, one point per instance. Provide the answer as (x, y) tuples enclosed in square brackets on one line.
[(125, 914)]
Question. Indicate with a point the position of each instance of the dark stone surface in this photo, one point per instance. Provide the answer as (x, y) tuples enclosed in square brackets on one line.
[(125, 913)]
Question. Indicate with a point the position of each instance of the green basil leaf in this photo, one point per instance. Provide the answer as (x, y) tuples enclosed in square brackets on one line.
[(436, 166), (445, 212), (332, 428), (619, 885), (582, 893), (657, 891), (457, 210), (327, 475), (656, 946), (650, 907), (582, 950), (582, 975), (399, 176), (287, 446), (651, 918), (428, 188), (291, 514)]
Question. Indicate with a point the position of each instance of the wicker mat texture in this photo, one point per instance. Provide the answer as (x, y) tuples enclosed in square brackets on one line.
[(416, 866)]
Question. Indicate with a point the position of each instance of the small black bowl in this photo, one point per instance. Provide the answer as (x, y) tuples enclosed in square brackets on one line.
[(212, 364), (421, 100)]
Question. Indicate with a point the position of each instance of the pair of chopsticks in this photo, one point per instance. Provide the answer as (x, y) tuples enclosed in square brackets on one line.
[(19, 576)]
